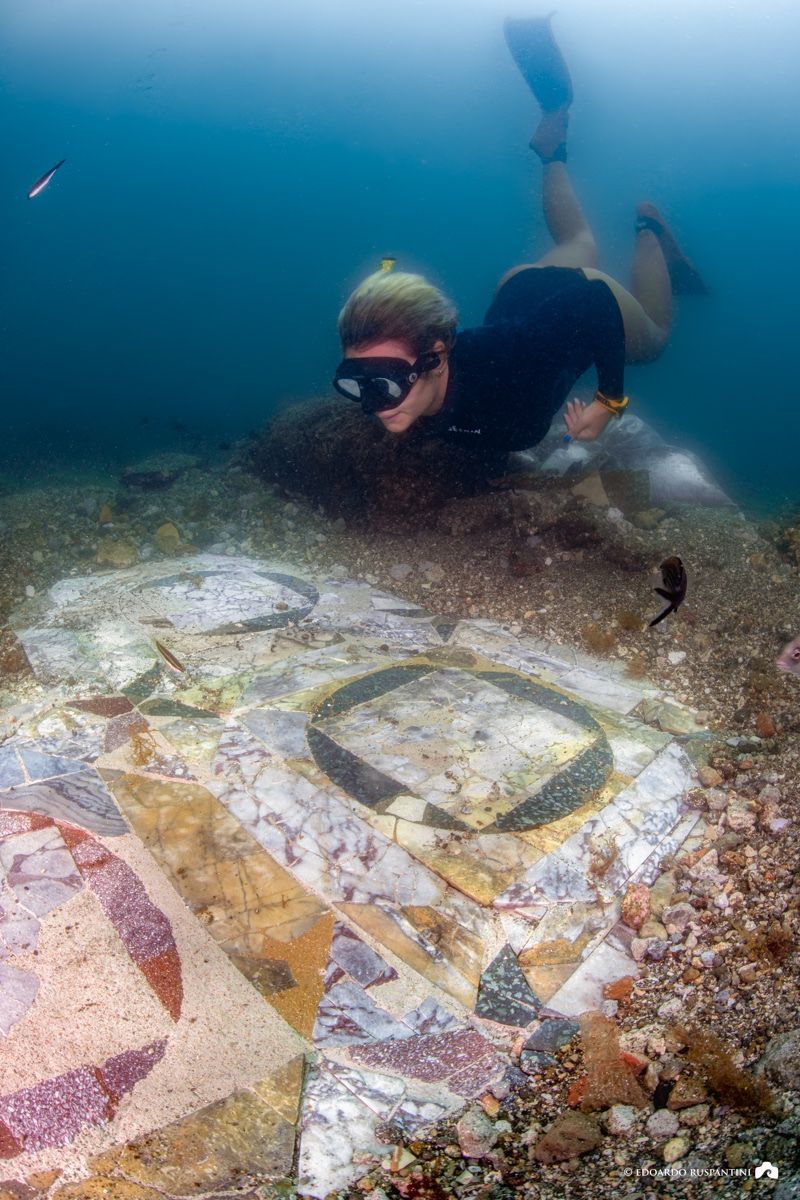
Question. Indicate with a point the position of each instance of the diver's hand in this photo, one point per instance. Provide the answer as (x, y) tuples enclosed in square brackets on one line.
[(585, 421)]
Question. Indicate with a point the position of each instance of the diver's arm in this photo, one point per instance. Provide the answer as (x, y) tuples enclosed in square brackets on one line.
[(595, 317)]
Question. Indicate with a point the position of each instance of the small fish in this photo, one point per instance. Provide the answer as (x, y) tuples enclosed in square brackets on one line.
[(169, 657), (673, 577), (42, 183), (790, 657), (387, 264)]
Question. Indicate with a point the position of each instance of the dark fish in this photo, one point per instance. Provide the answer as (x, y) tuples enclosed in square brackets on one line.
[(790, 657), (169, 657), (673, 577), (42, 183)]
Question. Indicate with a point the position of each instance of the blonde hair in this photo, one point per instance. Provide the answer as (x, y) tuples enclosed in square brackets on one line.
[(397, 306)]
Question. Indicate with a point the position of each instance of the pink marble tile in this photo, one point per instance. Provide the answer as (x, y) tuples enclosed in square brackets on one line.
[(120, 1074), (143, 928), (54, 1112), (39, 869), (358, 959), (348, 1014), (431, 1058)]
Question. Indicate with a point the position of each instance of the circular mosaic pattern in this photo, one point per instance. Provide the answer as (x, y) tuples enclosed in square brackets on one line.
[(234, 600), (505, 753)]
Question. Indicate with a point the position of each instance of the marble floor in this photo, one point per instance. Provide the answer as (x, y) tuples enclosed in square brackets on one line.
[(286, 861)]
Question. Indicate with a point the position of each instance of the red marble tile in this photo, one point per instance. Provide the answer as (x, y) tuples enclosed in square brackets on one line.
[(163, 973), (54, 1112), (431, 1058), (120, 1074), (9, 1146), (103, 706), (476, 1078), (12, 822), (145, 931), (72, 836)]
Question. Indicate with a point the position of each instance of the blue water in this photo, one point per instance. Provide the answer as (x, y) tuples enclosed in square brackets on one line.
[(234, 169)]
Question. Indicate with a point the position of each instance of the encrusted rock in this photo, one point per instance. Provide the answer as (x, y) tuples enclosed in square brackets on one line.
[(116, 552), (687, 1093), (168, 538), (159, 471), (740, 816), (569, 1136), (694, 1116), (476, 1134), (780, 1061), (678, 917), (709, 777), (635, 905)]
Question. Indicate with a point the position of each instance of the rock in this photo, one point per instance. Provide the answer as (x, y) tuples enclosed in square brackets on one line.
[(648, 518), (13, 658), (167, 538), (661, 893), (661, 1124), (653, 929), (677, 917), (687, 1093), (788, 1188), (400, 571), (568, 1137), (433, 572), (619, 989), (765, 726), (709, 777), (551, 1035), (106, 515), (739, 1154), (591, 488), (476, 1134), (675, 1148), (675, 657), (159, 471), (780, 1061), (533, 1062), (635, 905), (30, 591), (621, 1119), (740, 816), (696, 1115), (116, 552)]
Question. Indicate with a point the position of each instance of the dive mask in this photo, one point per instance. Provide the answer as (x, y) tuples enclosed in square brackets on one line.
[(380, 383)]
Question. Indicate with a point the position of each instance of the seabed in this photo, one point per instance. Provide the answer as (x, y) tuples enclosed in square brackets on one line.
[(311, 884)]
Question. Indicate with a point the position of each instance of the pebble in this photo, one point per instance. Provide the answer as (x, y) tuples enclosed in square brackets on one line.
[(476, 1134), (781, 1060), (675, 1148), (676, 656), (620, 1119), (696, 1115), (662, 1124), (635, 905), (30, 590), (709, 777), (400, 571)]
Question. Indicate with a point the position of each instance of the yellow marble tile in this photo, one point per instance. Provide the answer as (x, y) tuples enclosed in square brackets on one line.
[(385, 930), (283, 1090), (546, 980), (306, 958), (236, 1142), (104, 1188), (557, 950), (219, 869), (460, 946)]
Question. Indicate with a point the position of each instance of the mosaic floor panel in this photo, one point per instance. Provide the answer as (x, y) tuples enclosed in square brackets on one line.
[(283, 858)]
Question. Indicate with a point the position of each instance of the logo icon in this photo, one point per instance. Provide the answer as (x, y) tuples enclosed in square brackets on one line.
[(766, 1168)]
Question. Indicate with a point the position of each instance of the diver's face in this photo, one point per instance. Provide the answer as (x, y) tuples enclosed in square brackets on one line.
[(426, 396)]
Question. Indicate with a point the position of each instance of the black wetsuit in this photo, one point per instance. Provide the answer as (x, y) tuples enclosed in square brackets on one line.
[(509, 377)]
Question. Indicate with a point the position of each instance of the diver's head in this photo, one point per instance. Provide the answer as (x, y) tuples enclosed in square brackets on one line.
[(396, 331)]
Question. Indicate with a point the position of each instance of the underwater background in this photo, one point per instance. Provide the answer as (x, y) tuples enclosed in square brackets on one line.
[(234, 169)]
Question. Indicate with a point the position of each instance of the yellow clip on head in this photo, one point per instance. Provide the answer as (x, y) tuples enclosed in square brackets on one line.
[(387, 264)]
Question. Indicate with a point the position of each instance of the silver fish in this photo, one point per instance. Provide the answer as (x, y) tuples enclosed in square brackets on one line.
[(789, 659), (42, 183)]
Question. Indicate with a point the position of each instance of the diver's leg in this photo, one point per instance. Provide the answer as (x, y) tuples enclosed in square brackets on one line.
[(575, 245), (650, 282), (644, 337)]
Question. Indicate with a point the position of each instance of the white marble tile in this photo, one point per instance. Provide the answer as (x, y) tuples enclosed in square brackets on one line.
[(584, 988), (337, 1137)]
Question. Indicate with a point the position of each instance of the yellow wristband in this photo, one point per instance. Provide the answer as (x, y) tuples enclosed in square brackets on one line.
[(614, 406)]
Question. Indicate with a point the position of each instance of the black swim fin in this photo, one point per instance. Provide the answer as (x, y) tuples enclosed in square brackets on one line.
[(536, 53)]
